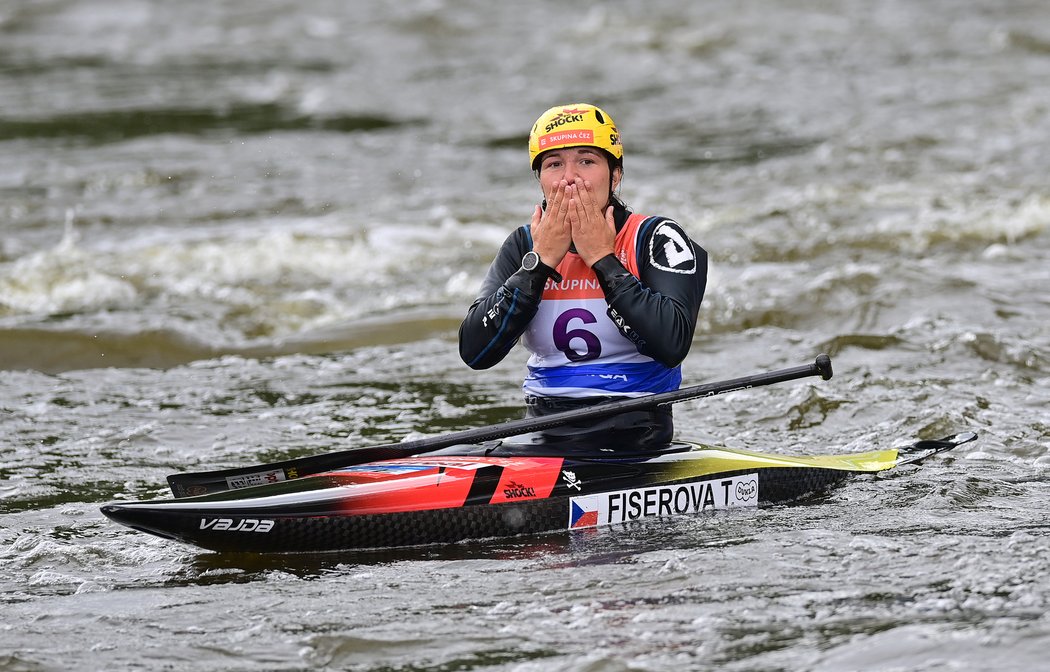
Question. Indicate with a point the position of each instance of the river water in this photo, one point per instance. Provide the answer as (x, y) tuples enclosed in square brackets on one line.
[(242, 231)]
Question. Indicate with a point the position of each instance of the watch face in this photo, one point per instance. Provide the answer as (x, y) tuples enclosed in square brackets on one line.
[(530, 261)]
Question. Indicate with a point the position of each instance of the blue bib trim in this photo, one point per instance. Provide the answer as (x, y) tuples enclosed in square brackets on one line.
[(603, 379)]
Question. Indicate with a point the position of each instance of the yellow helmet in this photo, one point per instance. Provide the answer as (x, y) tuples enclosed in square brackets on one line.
[(575, 125)]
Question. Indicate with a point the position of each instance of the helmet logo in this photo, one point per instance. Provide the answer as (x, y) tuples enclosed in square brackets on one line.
[(566, 138), (564, 117)]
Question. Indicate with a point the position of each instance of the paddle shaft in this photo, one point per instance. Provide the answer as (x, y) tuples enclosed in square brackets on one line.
[(188, 484)]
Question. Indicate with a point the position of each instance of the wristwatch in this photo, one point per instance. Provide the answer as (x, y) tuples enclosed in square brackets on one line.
[(531, 263)]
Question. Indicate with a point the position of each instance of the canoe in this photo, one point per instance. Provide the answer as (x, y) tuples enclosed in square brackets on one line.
[(440, 498)]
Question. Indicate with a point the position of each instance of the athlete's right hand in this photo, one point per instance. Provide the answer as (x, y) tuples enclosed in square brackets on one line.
[(551, 230)]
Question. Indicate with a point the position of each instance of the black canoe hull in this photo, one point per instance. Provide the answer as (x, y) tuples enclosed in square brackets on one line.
[(326, 513)]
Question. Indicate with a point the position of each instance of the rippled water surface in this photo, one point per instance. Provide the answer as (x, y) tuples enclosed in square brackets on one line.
[(244, 231)]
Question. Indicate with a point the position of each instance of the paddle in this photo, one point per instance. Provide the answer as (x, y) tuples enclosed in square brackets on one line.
[(183, 485)]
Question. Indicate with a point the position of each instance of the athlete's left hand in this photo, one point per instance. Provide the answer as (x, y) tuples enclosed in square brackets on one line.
[(593, 231)]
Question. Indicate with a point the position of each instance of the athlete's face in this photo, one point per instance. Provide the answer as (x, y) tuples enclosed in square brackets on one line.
[(587, 163)]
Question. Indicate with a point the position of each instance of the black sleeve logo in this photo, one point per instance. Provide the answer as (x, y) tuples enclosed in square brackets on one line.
[(670, 250)]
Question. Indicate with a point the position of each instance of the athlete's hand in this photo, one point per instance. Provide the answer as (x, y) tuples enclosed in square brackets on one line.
[(593, 231), (551, 230)]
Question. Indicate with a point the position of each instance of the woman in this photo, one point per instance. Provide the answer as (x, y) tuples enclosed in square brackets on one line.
[(606, 300)]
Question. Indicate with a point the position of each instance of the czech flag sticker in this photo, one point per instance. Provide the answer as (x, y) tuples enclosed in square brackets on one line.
[(583, 512)]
